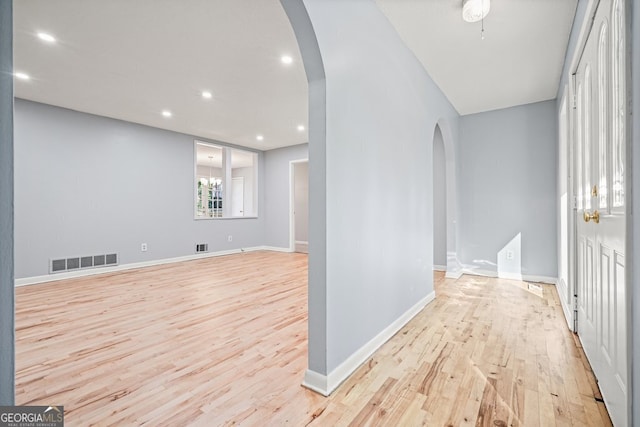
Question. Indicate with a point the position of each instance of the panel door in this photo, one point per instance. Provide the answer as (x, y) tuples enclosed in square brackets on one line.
[(600, 161)]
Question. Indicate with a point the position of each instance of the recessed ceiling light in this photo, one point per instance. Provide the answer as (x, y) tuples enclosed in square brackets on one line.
[(22, 76), (46, 37), (259, 137), (300, 128), (286, 59), (166, 113), (206, 94)]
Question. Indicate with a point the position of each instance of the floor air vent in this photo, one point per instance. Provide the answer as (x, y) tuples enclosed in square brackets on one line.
[(202, 247), (82, 262)]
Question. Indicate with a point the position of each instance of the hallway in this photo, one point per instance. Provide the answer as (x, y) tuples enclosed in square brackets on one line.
[(222, 341)]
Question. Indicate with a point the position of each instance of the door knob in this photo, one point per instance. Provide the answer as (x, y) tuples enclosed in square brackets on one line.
[(595, 216)]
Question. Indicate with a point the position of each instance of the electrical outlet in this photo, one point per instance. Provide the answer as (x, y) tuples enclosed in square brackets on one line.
[(510, 255), (143, 247), (230, 238)]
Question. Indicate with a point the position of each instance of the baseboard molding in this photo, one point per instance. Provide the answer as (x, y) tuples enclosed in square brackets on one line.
[(566, 309), (511, 276), (454, 274), (275, 249), (326, 384), (123, 267), (439, 267)]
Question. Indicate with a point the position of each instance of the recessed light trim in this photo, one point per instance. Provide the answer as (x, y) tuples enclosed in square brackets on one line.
[(166, 113), (46, 37), (301, 128), (286, 59), (22, 76), (260, 137), (206, 94)]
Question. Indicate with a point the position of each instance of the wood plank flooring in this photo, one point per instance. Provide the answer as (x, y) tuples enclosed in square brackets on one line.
[(222, 341)]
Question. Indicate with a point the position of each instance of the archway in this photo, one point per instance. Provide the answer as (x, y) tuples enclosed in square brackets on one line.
[(444, 151), (439, 203)]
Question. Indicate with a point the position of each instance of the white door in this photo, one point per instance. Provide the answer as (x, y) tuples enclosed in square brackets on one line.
[(600, 160), (237, 196)]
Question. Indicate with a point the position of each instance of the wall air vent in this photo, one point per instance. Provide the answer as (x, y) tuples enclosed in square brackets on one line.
[(82, 262), (202, 247)]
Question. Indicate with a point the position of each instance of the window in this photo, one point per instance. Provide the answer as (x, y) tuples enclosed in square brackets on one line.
[(225, 182)]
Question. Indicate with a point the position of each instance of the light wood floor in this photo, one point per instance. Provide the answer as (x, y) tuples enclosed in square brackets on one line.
[(222, 341)]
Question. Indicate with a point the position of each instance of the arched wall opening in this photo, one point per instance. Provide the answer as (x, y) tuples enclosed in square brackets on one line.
[(439, 203), (445, 201)]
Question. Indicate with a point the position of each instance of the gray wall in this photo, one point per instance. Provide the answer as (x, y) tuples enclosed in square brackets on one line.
[(7, 332), (634, 284), (301, 201), (277, 165), (88, 185), (439, 201), (508, 188), (378, 257)]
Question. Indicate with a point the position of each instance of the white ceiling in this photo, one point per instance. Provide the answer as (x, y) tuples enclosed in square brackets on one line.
[(519, 61), (132, 59)]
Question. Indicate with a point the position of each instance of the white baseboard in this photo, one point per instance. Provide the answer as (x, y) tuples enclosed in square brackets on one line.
[(512, 276), (540, 279), (454, 274), (439, 267), (326, 384), (275, 249), (566, 309), (123, 267)]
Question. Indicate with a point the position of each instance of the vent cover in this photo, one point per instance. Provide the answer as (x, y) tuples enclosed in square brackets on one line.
[(202, 247), (82, 262)]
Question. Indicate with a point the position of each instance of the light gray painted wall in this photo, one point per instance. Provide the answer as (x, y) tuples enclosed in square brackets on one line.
[(508, 161), (87, 185), (634, 219), (381, 109), (277, 164), (301, 201), (439, 201), (7, 331)]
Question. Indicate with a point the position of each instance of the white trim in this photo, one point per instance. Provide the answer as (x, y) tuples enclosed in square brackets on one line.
[(540, 279), (439, 267), (123, 267), (511, 276), (274, 249), (326, 384), (585, 29), (566, 310), (292, 189), (454, 274)]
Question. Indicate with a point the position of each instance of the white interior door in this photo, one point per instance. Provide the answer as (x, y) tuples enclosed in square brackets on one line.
[(237, 196), (600, 190)]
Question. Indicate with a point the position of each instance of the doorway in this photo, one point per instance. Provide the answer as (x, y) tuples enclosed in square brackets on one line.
[(299, 215), (439, 203)]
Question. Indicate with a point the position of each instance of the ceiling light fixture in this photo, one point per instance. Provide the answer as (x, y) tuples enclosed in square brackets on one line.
[(206, 94), (286, 59), (22, 76), (167, 113), (259, 137), (300, 128), (46, 37), (475, 10)]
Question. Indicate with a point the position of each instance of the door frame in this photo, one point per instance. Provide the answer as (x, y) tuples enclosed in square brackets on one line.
[(292, 189), (585, 29)]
